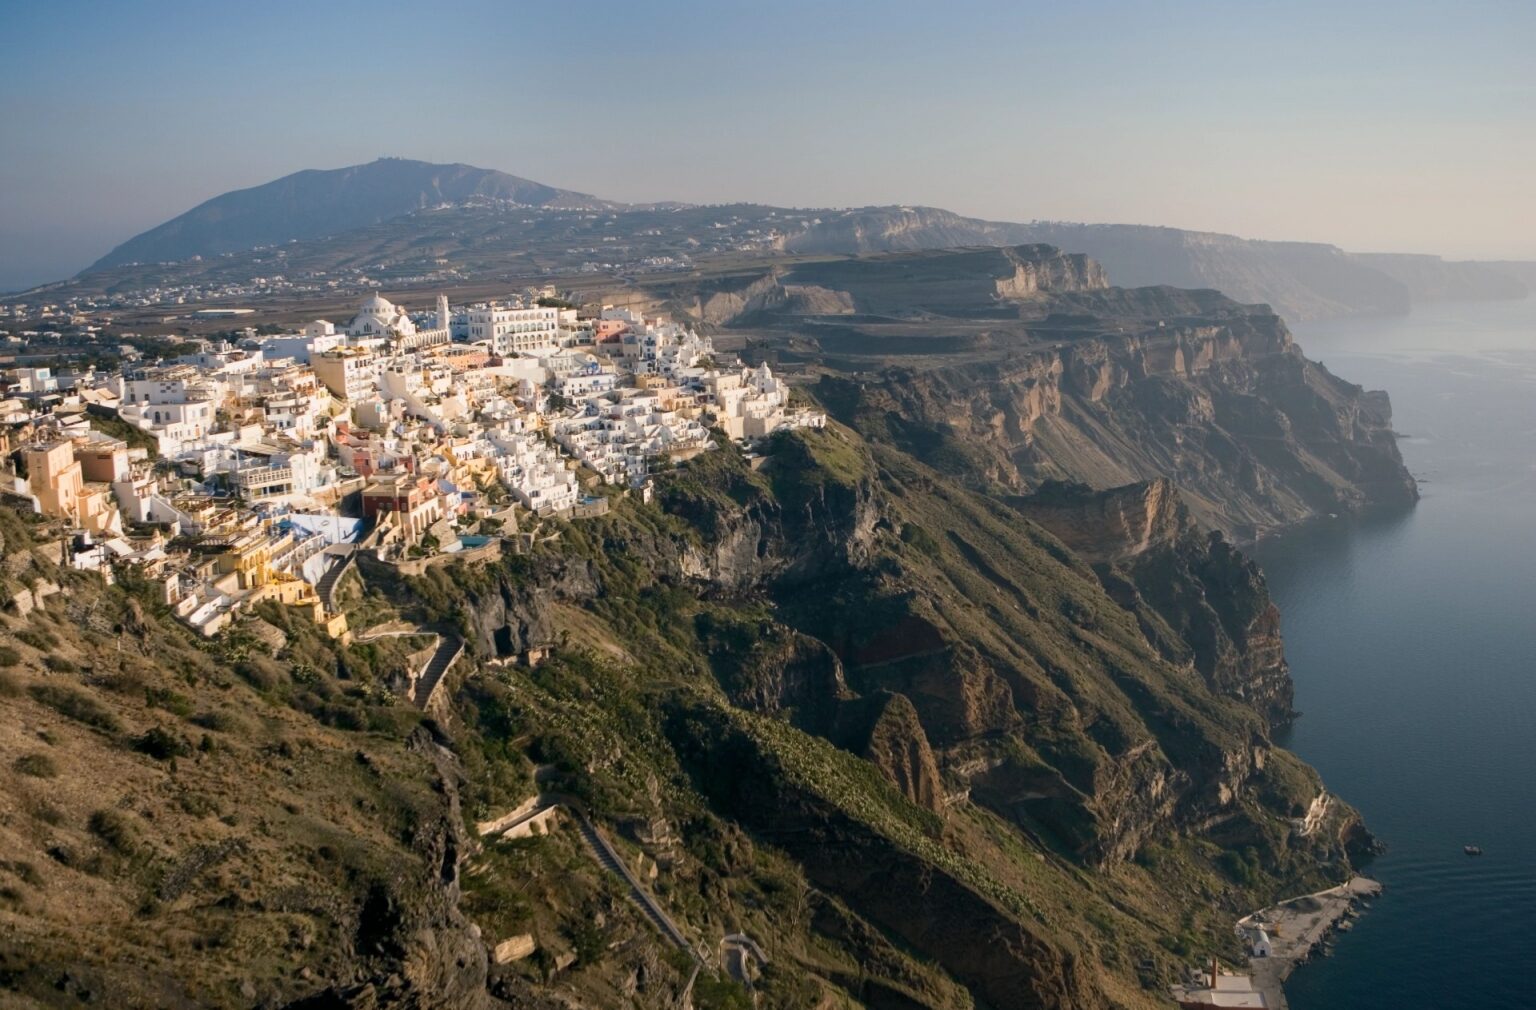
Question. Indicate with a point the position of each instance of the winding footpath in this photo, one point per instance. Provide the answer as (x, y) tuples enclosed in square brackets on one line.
[(424, 683), (602, 850), (736, 948)]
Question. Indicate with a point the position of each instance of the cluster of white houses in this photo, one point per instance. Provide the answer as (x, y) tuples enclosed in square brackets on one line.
[(435, 430)]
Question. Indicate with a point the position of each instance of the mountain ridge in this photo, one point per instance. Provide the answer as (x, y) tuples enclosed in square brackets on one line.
[(388, 213), (312, 203)]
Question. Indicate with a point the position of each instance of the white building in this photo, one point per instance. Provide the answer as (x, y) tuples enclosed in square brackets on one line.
[(514, 328), (380, 317), (316, 338), (753, 403), (174, 425), (535, 472), (619, 437)]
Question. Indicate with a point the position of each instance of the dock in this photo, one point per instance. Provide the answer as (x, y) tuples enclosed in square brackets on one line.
[(1295, 928)]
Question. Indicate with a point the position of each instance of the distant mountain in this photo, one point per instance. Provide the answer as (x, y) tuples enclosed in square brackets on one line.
[(1430, 278), (1300, 280), (316, 203), (412, 222), (1522, 270)]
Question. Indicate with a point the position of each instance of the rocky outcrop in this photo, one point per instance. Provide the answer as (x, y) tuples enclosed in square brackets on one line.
[(412, 945), (1041, 269), (818, 521), (885, 730), (1108, 527), (1003, 958), (767, 668)]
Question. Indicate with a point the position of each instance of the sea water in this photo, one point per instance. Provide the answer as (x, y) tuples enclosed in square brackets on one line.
[(1412, 641)]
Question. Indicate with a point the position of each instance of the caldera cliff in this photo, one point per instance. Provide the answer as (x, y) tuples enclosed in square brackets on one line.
[(964, 700)]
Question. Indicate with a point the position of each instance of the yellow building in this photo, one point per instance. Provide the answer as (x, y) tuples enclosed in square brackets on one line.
[(56, 478), (347, 372), (104, 462)]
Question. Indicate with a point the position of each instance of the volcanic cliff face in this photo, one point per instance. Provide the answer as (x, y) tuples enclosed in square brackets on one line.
[(1222, 403), (819, 529), (1197, 599), (1001, 954), (932, 282), (893, 697), (1010, 750), (924, 650)]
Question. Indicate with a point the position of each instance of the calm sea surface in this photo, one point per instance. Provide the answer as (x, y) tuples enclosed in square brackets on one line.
[(1412, 640)]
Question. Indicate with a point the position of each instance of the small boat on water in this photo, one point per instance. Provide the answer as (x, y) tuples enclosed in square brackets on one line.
[(1472, 850)]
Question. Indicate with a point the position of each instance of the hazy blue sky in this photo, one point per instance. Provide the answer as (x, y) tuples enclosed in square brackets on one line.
[(1400, 126)]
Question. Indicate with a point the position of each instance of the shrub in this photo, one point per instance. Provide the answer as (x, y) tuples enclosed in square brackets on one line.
[(171, 701), (162, 745), (58, 664), (588, 942), (1235, 867), (75, 704), (913, 534), (25, 872), (8, 686), (114, 830), (260, 672), (219, 721), (39, 766), (197, 804), (39, 640), (128, 679), (341, 716), (9, 656), (720, 994)]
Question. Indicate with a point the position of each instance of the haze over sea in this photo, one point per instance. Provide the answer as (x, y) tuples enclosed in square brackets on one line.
[(1412, 640)]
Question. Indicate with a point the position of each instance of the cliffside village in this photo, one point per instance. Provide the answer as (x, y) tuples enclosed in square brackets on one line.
[(248, 469)]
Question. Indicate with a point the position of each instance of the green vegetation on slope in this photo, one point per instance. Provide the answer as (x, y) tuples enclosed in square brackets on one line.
[(248, 827)]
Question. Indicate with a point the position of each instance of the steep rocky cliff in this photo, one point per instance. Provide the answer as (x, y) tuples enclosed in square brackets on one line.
[(1008, 367), (964, 700), (1117, 386), (1431, 278), (1198, 600), (821, 697)]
